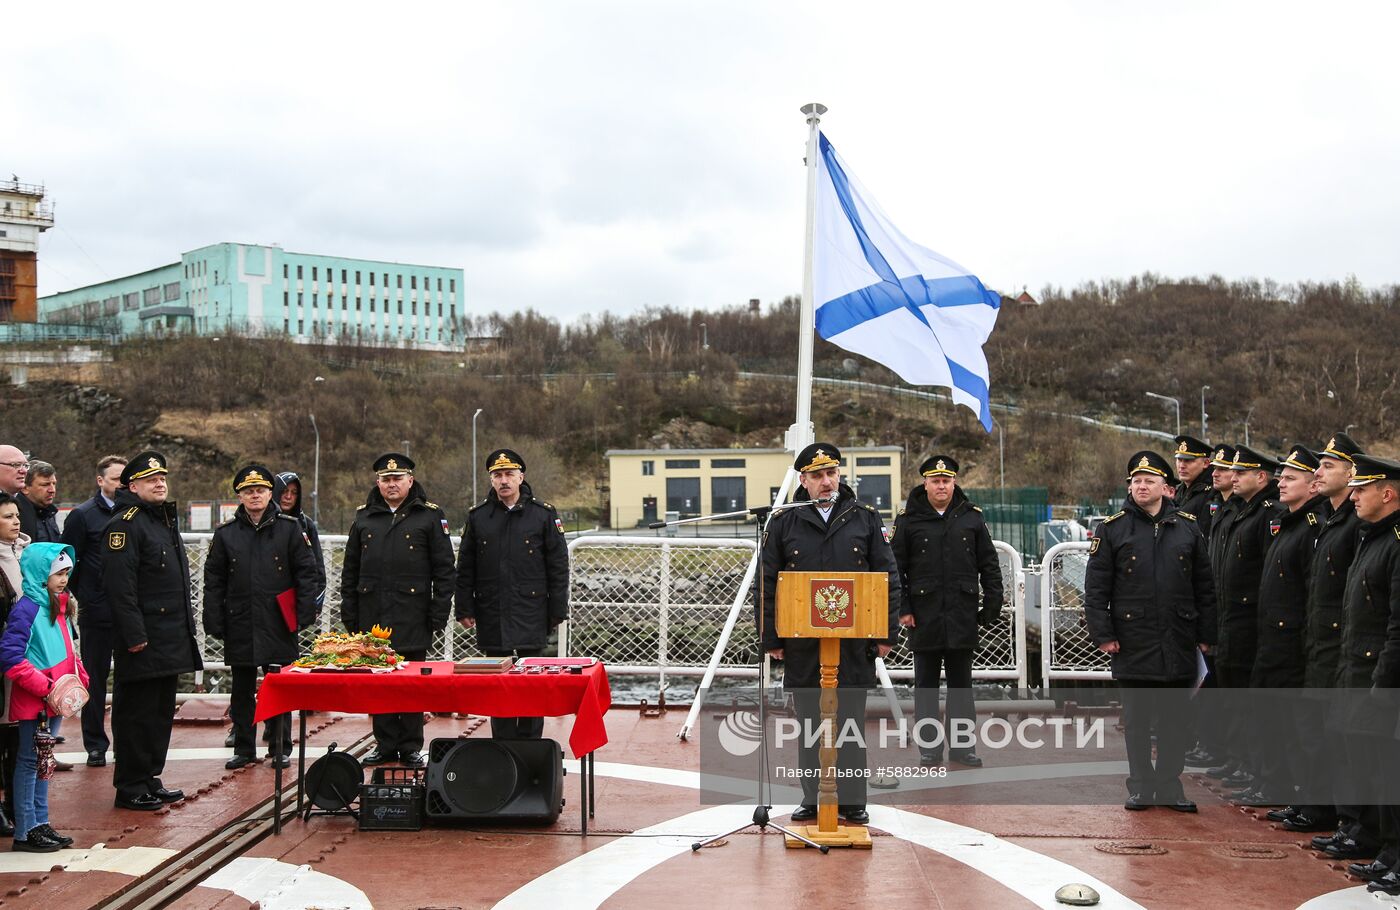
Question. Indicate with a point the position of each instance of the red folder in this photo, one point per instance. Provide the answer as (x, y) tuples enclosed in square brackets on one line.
[(287, 603)]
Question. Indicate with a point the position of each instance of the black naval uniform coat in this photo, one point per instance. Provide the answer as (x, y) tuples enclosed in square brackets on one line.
[(147, 577), (1370, 653), (248, 566), (1221, 519), (513, 572), (853, 540), (949, 572), (1332, 556), (398, 570), (1242, 564), (1148, 586), (1283, 592), (1195, 499)]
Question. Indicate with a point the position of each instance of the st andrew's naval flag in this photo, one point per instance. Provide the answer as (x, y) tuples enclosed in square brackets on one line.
[(879, 294)]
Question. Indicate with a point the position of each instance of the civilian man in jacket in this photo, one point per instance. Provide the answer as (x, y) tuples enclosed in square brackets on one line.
[(147, 577), (258, 559), (512, 575), (398, 575), (1322, 643), (286, 493), (38, 512), (83, 532), (838, 534), (1149, 602), (951, 579), (1278, 671)]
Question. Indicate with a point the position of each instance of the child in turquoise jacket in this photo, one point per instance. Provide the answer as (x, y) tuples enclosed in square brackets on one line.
[(36, 649)]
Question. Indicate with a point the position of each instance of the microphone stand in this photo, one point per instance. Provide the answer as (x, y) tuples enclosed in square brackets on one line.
[(762, 515)]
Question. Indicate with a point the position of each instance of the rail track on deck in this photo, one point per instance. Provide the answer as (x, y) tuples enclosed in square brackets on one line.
[(167, 883)]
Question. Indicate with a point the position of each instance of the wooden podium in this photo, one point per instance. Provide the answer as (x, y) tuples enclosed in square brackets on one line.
[(830, 606)]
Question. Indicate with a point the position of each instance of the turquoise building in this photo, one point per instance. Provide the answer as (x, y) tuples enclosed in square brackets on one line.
[(266, 290)]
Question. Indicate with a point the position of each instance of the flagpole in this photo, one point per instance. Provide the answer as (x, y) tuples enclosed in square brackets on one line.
[(800, 434)]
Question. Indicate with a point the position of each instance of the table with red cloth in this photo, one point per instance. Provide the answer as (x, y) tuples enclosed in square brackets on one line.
[(585, 695)]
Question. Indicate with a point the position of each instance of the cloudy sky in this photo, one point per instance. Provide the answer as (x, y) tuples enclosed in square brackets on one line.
[(584, 156)]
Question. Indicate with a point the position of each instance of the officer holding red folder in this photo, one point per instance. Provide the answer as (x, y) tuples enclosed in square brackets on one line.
[(260, 587)]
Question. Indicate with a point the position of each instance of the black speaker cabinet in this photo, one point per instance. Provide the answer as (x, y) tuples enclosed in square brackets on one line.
[(511, 780)]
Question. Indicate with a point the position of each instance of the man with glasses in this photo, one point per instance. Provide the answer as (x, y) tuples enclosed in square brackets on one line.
[(14, 468)]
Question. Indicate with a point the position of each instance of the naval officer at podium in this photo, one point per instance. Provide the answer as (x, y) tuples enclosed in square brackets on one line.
[(836, 533)]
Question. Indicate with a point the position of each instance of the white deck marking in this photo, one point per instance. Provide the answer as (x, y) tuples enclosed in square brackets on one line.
[(593, 878), (122, 860), (1356, 898), (275, 885)]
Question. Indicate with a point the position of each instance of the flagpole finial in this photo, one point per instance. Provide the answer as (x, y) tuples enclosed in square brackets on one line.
[(814, 111)]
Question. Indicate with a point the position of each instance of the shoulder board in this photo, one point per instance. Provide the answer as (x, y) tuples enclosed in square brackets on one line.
[(1268, 503), (478, 505), (130, 513), (868, 507), (1397, 532), (1186, 515), (902, 511), (286, 516), (1114, 517), (1312, 518), (225, 524), (358, 508), (541, 502), (431, 505), (976, 508)]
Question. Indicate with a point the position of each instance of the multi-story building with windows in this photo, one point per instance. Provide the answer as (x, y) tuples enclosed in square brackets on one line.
[(24, 215), (266, 290), (646, 484)]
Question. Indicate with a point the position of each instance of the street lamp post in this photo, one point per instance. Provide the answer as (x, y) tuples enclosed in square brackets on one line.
[(1246, 425), (704, 337), (1001, 449), (1204, 437), (1176, 403), (475, 469), (316, 470)]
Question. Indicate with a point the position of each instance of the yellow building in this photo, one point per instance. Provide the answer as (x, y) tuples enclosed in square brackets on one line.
[(646, 484)]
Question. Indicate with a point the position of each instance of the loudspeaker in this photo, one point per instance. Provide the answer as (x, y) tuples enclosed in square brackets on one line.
[(513, 780)]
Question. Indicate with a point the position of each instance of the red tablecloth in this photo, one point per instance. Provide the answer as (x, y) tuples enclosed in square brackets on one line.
[(584, 695)]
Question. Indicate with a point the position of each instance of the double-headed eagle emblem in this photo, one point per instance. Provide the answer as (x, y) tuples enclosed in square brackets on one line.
[(833, 603)]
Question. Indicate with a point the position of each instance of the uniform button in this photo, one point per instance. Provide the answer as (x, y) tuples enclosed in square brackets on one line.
[(413, 590), (531, 551), (1368, 653), (410, 546), (1334, 625), (1280, 625), (1127, 616)]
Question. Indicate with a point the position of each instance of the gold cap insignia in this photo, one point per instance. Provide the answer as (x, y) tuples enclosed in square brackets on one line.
[(942, 466), (1144, 463), (503, 463), (152, 462), (1182, 446), (392, 465), (1331, 443)]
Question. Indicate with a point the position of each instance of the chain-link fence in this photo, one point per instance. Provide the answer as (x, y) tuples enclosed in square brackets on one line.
[(451, 644), (655, 605), (1067, 651), (658, 605)]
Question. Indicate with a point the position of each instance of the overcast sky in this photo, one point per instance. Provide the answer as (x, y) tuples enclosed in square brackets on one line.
[(581, 156)]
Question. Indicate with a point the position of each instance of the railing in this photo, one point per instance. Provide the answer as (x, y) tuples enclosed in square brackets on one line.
[(1066, 649), (656, 606)]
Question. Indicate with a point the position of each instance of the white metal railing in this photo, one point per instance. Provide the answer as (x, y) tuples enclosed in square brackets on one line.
[(658, 606), (1066, 649)]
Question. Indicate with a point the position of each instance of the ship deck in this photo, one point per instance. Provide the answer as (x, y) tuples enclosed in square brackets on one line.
[(215, 850)]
